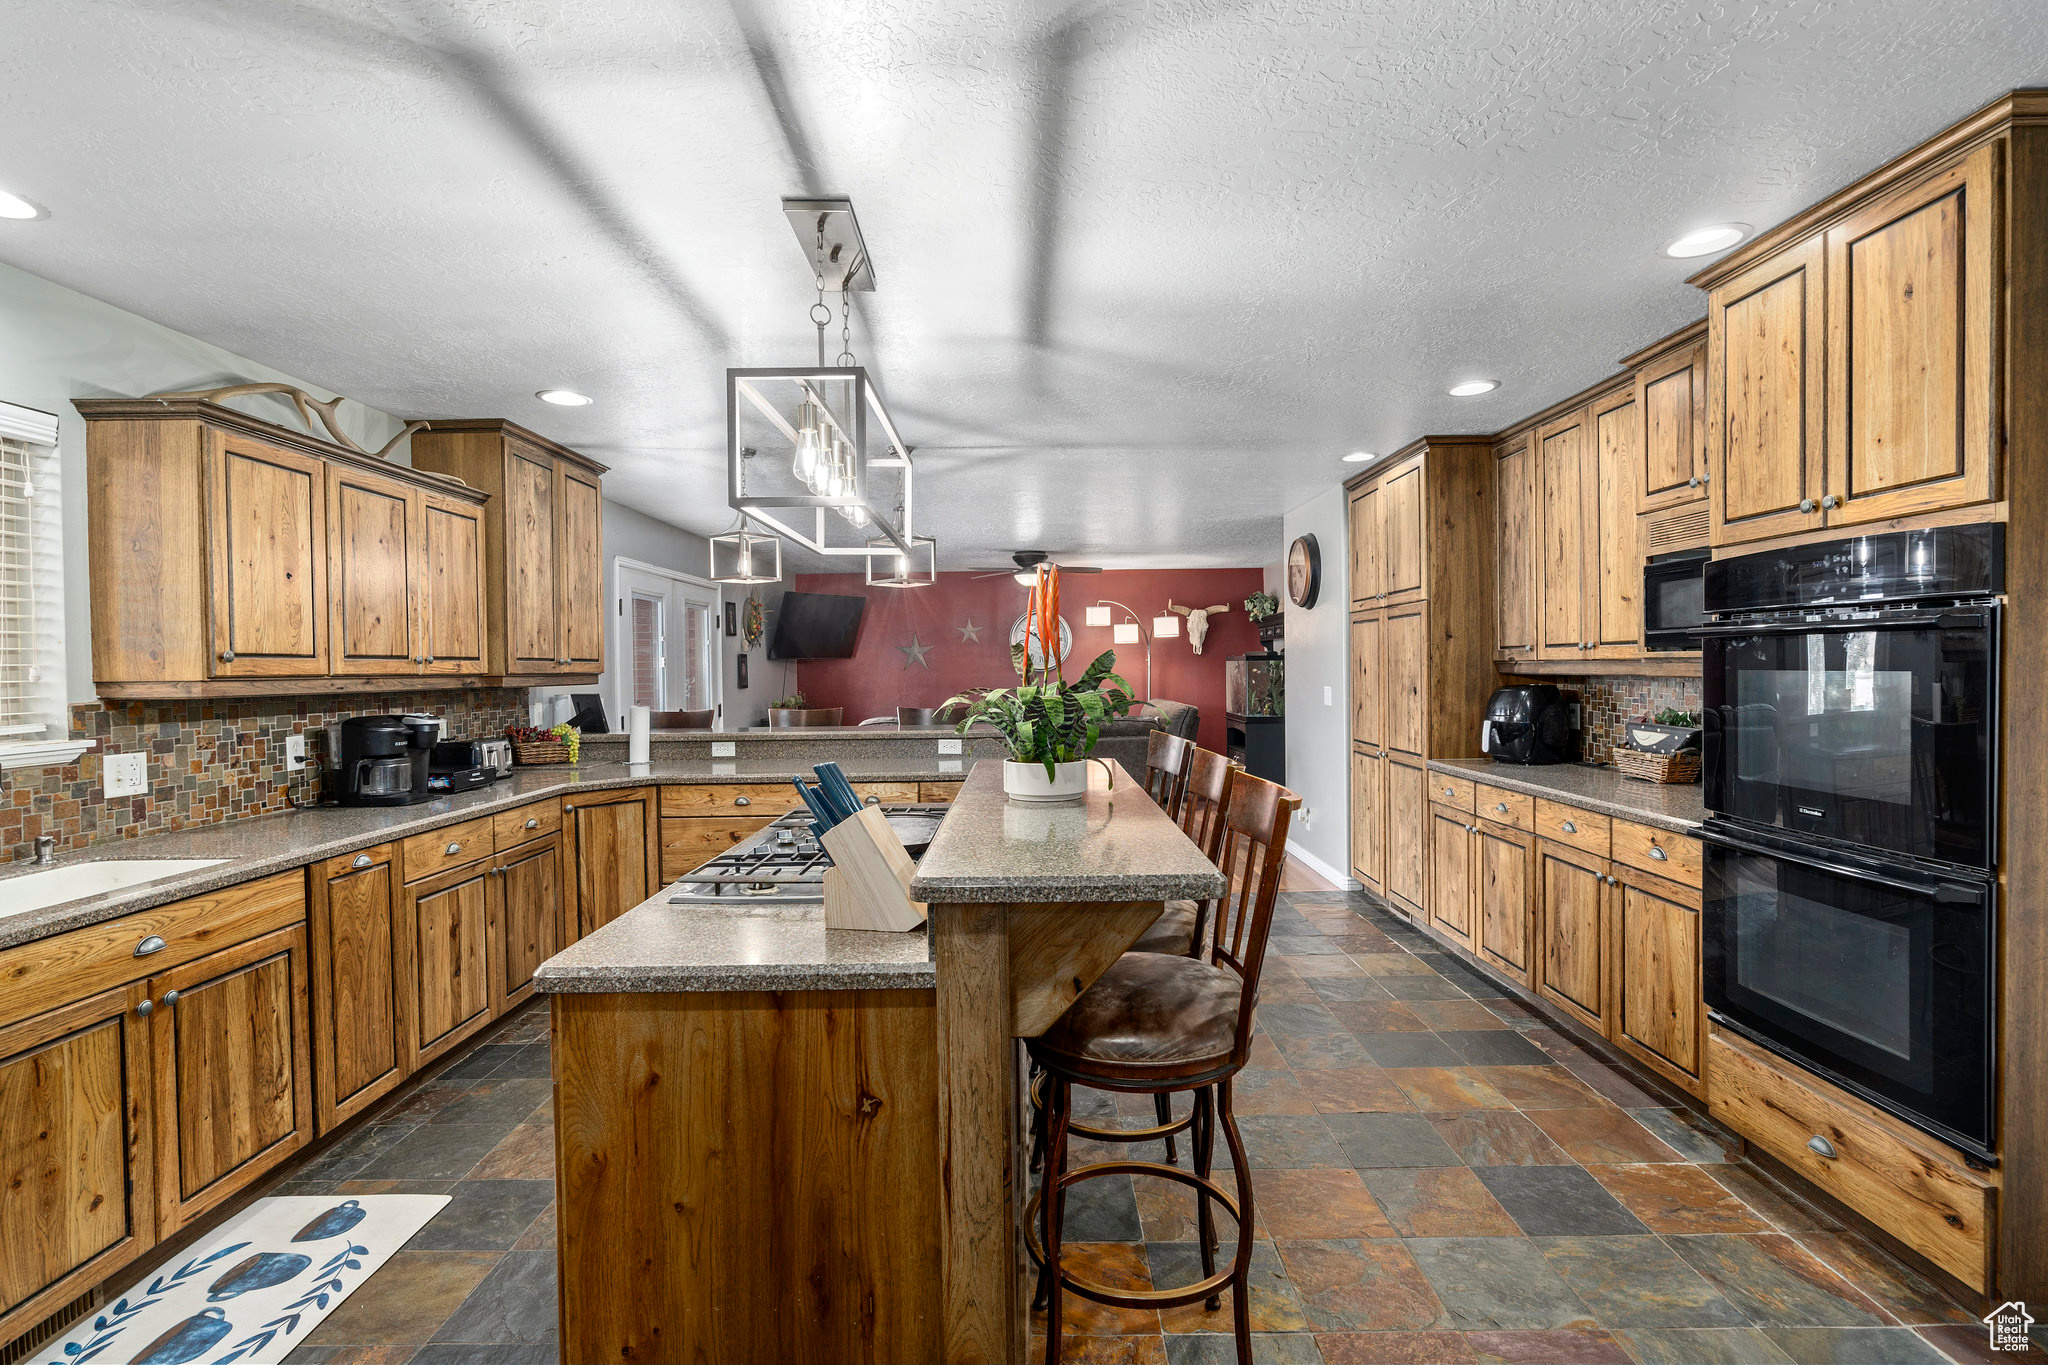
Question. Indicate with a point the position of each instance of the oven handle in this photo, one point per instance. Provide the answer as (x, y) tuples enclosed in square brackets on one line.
[(1940, 892), (1941, 620)]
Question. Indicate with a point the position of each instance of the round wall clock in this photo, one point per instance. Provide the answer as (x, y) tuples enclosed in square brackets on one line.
[(1304, 571)]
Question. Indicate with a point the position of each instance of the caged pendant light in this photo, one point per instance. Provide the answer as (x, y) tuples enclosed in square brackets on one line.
[(746, 556)]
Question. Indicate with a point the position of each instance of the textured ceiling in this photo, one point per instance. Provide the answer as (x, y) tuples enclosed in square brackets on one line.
[(1145, 270)]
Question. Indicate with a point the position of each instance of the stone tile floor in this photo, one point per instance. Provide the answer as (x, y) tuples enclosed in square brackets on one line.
[(1438, 1174)]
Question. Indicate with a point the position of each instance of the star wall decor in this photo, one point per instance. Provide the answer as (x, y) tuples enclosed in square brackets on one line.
[(969, 632), (915, 651)]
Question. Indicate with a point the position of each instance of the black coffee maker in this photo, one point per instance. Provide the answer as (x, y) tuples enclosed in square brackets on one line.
[(382, 760)]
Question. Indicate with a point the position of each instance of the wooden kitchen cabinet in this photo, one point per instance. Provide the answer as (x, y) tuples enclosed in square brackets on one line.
[(1403, 681), (614, 854), (266, 558), (232, 1070), (1561, 469), (1369, 818), (1450, 873), (1404, 551), (1368, 702), (1515, 542), (1571, 931), (1407, 837), (1659, 1014), (1502, 898), (454, 624), (1614, 556), (1671, 412), (77, 1159), (372, 535), (447, 922), (361, 970), (1766, 397), (525, 918), (543, 546), (1364, 534)]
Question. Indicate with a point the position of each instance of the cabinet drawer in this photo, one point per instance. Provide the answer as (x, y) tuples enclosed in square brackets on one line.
[(929, 792), (688, 842), (755, 798), (1455, 792), (1931, 1202), (514, 827), (449, 846), (895, 793), (66, 967), (1659, 851), (1504, 807), (1570, 825)]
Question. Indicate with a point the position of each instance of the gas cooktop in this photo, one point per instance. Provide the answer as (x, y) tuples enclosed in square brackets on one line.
[(783, 865)]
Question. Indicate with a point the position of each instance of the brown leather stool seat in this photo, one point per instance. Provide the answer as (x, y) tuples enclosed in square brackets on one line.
[(1173, 932), (1147, 1013)]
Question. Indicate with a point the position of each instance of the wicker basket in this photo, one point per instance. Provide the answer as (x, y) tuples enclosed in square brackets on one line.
[(1683, 766), (533, 753)]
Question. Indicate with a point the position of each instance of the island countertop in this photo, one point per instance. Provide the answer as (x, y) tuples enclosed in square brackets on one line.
[(1114, 845)]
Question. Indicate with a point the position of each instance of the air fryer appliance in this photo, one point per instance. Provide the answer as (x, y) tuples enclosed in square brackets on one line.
[(459, 765), (1529, 723), (374, 762)]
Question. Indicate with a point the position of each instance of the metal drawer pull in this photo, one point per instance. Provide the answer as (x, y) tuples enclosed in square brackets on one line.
[(1569, 828), (145, 1009), (362, 860), (872, 801), (1831, 501), (1693, 482), (1501, 806), (170, 999), (1820, 1146), (454, 849), (533, 822), (227, 656), (1806, 504), (1611, 881), (743, 800), (1450, 791), (1659, 854), (152, 944)]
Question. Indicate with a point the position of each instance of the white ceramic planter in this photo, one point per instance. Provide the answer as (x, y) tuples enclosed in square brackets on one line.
[(1028, 782)]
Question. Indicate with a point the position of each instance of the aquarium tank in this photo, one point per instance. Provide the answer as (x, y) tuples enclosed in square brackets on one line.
[(1255, 685)]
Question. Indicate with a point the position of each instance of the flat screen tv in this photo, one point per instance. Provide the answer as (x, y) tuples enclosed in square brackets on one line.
[(816, 625)]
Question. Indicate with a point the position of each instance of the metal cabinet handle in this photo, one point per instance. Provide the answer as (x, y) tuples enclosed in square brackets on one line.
[(429, 659), (1693, 482), (145, 1009), (1569, 828), (1610, 880), (361, 860), (1501, 806), (872, 801), (1806, 504), (1659, 854), (743, 800), (1820, 1146), (1450, 791), (1830, 501), (454, 849), (170, 999), (533, 822), (227, 656), (152, 944)]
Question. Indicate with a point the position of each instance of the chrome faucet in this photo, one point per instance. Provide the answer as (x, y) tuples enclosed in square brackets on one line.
[(46, 850)]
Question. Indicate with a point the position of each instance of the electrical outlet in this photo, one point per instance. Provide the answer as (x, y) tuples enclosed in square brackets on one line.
[(724, 748), (294, 753), (1327, 695), (1575, 715), (949, 746), (949, 765), (725, 769), (1307, 817), (125, 774)]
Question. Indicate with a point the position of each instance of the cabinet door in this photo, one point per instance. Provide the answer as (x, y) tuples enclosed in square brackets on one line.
[(532, 600), (1614, 556), (1403, 673), (1912, 307), (1500, 897), (450, 580), (689, 842), (234, 1076), (1659, 1014), (1403, 555), (1571, 930), (1450, 873), (1561, 460), (1671, 410), (1514, 500), (528, 921), (1366, 586), (448, 923), (266, 531), (613, 850), (1765, 398), (371, 526), (579, 540), (1369, 819), (1368, 680), (354, 918), (1407, 836), (74, 1134)]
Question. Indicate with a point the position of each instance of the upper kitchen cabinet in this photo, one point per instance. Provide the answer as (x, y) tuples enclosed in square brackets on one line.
[(1765, 400), (234, 557), (1671, 417), (1514, 550), (1614, 554), (1366, 590), (1562, 465), (543, 546)]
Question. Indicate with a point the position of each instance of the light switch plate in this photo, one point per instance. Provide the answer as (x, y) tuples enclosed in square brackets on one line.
[(1575, 715), (949, 746), (125, 774), (724, 748), (294, 753), (1326, 697)]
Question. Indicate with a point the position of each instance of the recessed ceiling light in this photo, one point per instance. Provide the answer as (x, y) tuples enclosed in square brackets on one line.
[(1471, 388), (14, 206), (1707, 240), (1358, 457), (565, 398)]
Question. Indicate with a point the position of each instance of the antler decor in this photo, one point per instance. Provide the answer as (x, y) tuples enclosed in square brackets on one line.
[(307, 405)]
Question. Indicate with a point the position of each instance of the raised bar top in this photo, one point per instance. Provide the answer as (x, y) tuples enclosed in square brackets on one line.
[(1114, 845)]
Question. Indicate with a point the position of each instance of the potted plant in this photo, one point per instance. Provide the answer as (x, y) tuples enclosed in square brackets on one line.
[(795, 711), (1260, 605), (1051, 725)]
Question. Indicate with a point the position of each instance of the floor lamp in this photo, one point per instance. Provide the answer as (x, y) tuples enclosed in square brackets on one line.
[(1132, 631)]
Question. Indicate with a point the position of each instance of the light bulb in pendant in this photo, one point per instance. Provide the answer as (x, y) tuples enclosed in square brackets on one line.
[(809, 446)]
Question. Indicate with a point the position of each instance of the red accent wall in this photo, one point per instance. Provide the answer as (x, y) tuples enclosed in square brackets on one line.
[(879, 677)]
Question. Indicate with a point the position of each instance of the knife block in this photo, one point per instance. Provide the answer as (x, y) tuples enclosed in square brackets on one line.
[(868, 884)]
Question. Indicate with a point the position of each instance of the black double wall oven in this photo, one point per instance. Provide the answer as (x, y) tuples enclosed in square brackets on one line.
[(1849, 913)]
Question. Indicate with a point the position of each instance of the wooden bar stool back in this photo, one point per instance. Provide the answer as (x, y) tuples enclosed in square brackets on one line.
[(1166, 769), (680, 720), (1158, 1024)]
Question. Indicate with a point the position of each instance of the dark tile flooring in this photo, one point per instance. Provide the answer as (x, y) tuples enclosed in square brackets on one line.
[(1439, 1176)]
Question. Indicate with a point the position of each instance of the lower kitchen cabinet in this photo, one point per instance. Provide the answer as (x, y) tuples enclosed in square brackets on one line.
[(1450, 868), (361, 967), (1407, 806), (77, 1195), (688, 842), (447, 918), (1660, 1017), (1369, 819), (937, 792), (614, 854), (232, 1071), (1571, 931), (1501, 898), (526, 918)]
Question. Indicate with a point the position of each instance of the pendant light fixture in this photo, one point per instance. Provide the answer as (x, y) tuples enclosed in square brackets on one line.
[(746, 556)]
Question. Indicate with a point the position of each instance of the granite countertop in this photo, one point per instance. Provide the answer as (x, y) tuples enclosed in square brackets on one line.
[(784, 732), (656, 946), (1678, 807), (274, 843), (1112, 846)]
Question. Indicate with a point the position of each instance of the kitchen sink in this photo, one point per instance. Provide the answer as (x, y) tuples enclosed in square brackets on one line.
[(19, 895)]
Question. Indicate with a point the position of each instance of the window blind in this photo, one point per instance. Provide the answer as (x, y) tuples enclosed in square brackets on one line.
[(19, 672)]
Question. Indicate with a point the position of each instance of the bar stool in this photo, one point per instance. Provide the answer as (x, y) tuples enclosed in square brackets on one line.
[(1159, 1024), (1166, 769)]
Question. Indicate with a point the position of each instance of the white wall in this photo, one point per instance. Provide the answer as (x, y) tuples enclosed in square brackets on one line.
[(1318, 731)]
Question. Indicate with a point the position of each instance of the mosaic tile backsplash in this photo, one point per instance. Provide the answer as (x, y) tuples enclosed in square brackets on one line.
[(1607, 704), (209, 761)]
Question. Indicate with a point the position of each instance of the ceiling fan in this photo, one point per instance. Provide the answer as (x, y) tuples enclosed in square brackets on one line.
[(1027, 562)]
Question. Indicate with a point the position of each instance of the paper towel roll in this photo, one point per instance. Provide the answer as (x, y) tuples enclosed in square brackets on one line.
[(636, 735)]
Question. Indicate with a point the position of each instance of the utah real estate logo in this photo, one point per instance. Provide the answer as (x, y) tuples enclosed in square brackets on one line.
[(2009, 1323)]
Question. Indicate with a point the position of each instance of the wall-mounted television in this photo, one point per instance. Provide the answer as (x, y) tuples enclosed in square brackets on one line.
[(816, 625)]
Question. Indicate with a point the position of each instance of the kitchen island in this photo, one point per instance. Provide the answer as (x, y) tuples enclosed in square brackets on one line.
[(776, 1141)]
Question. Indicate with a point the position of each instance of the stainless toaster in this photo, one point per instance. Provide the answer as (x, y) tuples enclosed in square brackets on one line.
[(497, 755)]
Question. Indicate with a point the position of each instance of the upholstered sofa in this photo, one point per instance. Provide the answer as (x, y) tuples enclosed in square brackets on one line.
[(1126, 740)]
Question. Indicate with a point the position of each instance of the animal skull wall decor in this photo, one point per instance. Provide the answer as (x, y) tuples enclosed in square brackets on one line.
[(1198, 621)]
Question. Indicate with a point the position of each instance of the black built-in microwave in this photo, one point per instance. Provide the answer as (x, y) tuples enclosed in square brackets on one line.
[(1673, 605)]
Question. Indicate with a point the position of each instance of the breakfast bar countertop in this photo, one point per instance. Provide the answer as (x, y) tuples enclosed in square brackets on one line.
[(1678, 807)]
